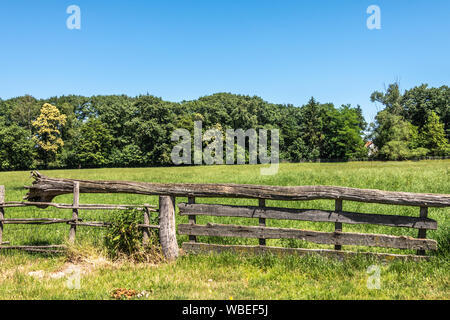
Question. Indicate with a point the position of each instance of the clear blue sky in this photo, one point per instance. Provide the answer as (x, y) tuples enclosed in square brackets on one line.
[(283, 51)]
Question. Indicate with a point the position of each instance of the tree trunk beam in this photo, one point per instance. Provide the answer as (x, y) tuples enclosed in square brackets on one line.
[(44, 189)]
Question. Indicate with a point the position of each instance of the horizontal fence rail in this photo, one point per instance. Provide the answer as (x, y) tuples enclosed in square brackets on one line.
[(339, 238), (65, 206), (44, 189), (306, 215)]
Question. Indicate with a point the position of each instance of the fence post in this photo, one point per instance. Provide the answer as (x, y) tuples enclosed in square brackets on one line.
[(422, 232), (2, 212), (76, 203), (338, 225), (262, 221), (192, 219), (146, 230), (167, 227)]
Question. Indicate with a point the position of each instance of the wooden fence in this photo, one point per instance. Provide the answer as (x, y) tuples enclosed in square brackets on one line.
[(338, 238), (73, 223), (44, 189)]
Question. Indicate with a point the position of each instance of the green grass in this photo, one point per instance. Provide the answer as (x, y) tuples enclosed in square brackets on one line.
[(240, 277)]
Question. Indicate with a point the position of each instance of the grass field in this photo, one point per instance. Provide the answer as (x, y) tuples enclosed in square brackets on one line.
[(228, 276)]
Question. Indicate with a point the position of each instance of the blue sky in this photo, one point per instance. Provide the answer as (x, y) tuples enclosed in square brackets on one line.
[(283, 51)]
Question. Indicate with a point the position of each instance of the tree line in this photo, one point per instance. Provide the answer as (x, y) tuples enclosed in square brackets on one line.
[(121, 131)]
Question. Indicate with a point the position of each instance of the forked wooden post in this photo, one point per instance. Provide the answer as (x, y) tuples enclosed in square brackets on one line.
[(2, 212), (146, 230), (338, 225), (192, 219), (167, 227), (422, 232), (76, 203), (262, 221)]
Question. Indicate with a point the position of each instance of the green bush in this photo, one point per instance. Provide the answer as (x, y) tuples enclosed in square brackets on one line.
[(124, 237)]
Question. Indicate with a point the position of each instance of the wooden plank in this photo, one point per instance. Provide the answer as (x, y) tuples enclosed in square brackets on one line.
[(148, 226), (64, 206), (209, 248), (99, 224), (42, 249), (307, 215), (333, 238), (102, 224), (422, 232), (2, 211), (338, 225), (192, 219), (44, 189), (262, 221), (167, 231), (76, 203), (56, 246), (146, 231), (37, 221)]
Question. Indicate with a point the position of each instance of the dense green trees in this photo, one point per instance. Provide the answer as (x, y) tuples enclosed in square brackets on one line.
[(118, 130), (17, 150), (413, 124)]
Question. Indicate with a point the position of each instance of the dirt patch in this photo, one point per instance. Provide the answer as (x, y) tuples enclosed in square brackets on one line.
[(83, 266)]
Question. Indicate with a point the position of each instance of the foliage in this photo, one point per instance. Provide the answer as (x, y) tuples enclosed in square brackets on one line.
[(123, 236), (16, 148), (433, 136), (121, 131), (48, 132), (410, 125), (93, 144)]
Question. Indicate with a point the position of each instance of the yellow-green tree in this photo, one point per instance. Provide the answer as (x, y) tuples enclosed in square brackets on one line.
[(48, 132)]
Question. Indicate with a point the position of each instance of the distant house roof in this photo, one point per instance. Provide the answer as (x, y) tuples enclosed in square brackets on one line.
[(368, 144)]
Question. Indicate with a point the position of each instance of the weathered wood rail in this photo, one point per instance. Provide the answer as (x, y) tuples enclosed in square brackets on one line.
[(44, 189)]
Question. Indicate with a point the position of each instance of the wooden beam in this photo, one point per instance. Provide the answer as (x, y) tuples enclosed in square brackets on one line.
[(37, 221), (43, 249), (422, 232), (2, 211), (262, 221), (167, 231), (44, 189), (209, 248), (146, 231), (99, 224), (332, 238), (76, 203), (338, 225), (65, 206), (192, 219), (307, 215)]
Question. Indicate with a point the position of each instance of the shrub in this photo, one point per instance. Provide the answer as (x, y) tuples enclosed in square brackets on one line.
[(124, 238)]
